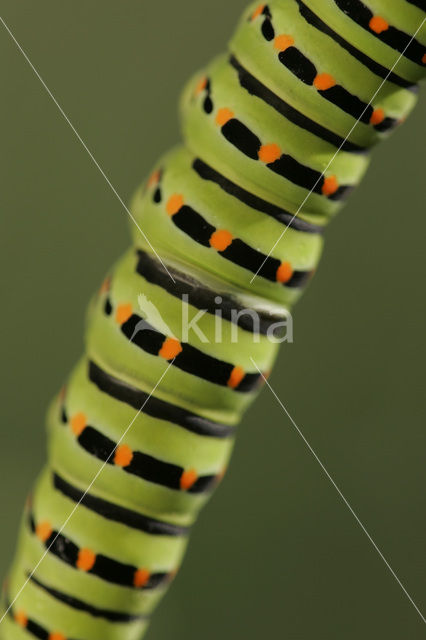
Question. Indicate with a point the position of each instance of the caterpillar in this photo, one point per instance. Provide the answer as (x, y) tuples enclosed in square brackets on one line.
[(261, 124)]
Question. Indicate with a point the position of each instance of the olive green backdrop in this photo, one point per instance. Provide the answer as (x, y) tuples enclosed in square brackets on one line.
[(276, 553)]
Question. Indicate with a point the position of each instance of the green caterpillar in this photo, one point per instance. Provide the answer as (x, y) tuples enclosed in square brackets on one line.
[(261, 125)]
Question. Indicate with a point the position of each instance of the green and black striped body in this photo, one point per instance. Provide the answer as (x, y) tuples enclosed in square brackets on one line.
[(261, 124)]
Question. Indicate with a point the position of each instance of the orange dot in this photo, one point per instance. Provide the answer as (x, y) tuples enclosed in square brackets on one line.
[(324, 81), (257, 12), (424, 58), (86, 560), (237, 375), (21, 618), (330, 186), (123, 456), (201, 85), (141, 578), (269, 153), (377, 116), (283, 42), (174, 204), (56, 635), (188, 479), (220, 476), (172, 574), (5, 584), (170, 349), (220, 239), (123, 313), (105, 286), (223, 116), (78, 424), (44, 530), (284, 272), (154, 178), (378, 24)]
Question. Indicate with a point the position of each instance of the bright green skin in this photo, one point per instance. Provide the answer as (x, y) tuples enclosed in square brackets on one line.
[(105, 342)]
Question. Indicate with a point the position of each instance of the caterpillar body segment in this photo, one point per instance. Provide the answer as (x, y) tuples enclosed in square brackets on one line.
[(277, 133), (187, 209)]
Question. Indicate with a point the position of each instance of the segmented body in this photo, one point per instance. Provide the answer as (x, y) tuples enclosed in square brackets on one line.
[(261, 125)]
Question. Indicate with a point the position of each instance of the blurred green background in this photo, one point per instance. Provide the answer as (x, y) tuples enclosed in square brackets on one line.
[(277, 552)]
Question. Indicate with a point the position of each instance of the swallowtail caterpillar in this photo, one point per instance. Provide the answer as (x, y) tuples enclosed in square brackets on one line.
[(261, 124)]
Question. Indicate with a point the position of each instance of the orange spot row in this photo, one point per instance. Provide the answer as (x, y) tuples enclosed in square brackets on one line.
[(220, 239), (284, 272), (237, 376), (123, 454), (269, 153), (378, 24), (174, 204), (223, 116), (170, 349), (324, 81), (188, 479), (21, 619), (283, 42), (78, 424), (258, 11), (424, 58), (86, 560), (330, 186), (141, 578)]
